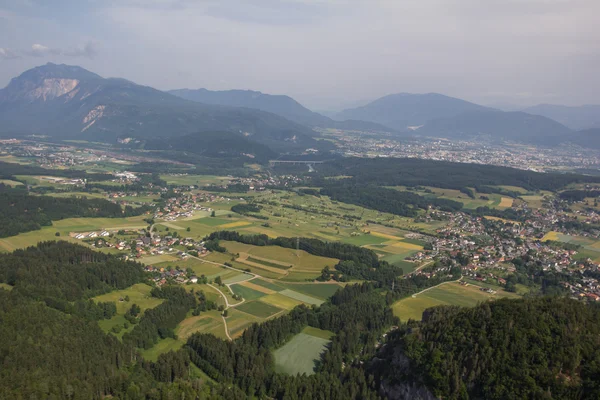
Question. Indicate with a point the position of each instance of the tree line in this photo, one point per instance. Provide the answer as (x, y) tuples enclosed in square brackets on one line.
[(21, 212), (403, 203), (444, 174)]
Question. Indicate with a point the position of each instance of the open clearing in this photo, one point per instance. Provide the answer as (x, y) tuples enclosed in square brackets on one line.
[(138, 294), (302, 353), (451, 293)]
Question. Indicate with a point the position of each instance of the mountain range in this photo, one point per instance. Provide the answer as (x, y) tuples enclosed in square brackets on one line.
[(282, 105), (438, 115), (69, 102)]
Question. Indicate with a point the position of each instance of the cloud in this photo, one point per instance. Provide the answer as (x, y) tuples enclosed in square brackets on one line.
[(40, 50), (8, 54)]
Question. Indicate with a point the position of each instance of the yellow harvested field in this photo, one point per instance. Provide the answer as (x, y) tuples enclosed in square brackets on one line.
[(281, 301), (150, 260), (258, 229), (171, 225), (235, 224), (244, 260), (203, 323), (550, 236), (506, 202), (384, 235), (258, 288), (385, 229), (404, 245)]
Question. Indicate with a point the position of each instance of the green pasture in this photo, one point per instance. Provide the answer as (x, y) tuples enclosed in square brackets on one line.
[(301, 354), (451, 293)]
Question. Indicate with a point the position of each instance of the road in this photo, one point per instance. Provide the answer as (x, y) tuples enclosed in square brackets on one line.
[(227, 304), (429, 288)]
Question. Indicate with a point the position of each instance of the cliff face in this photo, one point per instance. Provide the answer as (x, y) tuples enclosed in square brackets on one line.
[(402, 387)]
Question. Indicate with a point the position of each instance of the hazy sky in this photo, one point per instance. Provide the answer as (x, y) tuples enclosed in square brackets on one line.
[(325, 53)]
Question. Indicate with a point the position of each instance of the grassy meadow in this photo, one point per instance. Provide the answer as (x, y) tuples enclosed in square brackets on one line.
[(301, 354), (450, 293)]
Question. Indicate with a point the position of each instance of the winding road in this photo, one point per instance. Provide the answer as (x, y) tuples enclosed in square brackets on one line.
[(228, 285)]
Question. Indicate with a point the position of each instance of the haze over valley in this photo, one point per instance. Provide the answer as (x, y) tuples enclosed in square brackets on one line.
[(180, 219)]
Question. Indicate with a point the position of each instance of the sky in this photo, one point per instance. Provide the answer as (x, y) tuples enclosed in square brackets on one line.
[(327, 54)]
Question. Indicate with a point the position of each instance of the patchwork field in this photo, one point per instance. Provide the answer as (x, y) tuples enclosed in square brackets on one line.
[(302, 353), (288, 264), (451, 293)]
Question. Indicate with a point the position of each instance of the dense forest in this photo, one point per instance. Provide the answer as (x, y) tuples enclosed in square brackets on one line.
[(20, 212), (65, 275), (416, 172), (538, 348)]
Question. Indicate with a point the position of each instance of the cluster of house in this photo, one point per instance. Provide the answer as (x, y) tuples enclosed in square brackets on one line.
[(161, 275), (184, 205)]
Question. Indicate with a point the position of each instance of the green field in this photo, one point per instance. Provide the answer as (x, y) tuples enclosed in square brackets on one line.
[(451, 293), (267, 284), (301, 354), (316, 290), (5, 286), (246, 293), (258, 309)]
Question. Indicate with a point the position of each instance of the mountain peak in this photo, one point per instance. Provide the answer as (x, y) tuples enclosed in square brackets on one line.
[(403, 110), (62, 71)]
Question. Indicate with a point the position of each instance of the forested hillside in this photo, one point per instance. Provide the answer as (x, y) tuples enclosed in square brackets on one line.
[(543, 348)]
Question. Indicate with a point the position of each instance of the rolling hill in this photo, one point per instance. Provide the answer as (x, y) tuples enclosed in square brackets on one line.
[(281, 105), (403, 110), (70, 102)]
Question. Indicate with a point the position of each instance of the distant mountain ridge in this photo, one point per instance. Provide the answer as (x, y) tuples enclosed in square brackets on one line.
[(403, 110), (499, 125), (277, 104), (578, 118), (438, 115), (70, 102), (282, 105)]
